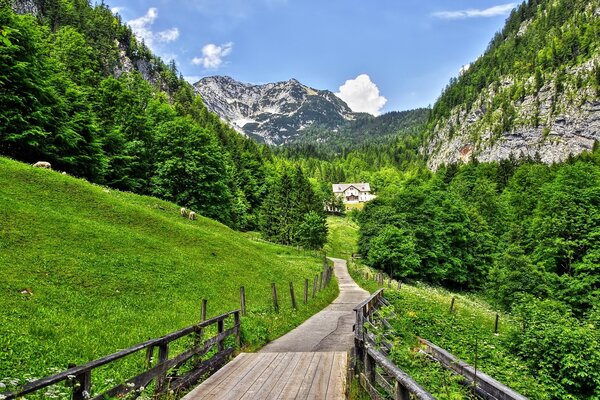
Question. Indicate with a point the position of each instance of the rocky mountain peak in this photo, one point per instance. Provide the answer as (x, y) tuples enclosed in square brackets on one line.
[(274, 113)]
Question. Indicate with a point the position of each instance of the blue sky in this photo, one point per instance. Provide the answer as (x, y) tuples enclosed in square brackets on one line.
[(379, 55)]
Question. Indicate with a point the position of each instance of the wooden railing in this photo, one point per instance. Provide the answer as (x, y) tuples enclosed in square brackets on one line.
[(165, 370), (377, 372), (483, 385)]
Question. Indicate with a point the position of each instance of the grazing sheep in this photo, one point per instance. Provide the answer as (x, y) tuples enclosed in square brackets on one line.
[(42, 164), (192, 216), (183, 212)]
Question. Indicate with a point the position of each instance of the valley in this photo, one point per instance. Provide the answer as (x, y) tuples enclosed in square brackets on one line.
[(486, 206)]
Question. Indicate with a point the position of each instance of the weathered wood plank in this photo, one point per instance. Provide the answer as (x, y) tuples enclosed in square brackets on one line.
[(278, 386), (336, 388), (265, 376), (311, 372), (220, 378), (318, 389), (237, 390), (295, 379), (286, 362), (486, 383)]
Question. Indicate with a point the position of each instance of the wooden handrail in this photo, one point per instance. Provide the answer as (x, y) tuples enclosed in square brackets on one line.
[(82, 372), (366, 351), (486, 386)]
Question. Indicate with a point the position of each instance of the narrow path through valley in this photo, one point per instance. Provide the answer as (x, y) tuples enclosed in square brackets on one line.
[(309, 362)]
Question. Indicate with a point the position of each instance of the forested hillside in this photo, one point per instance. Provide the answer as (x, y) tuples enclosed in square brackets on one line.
[(364, 130), (79, 91), (535, 91)]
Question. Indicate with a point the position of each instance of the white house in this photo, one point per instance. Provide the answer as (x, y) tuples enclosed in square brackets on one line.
[(353, 193)]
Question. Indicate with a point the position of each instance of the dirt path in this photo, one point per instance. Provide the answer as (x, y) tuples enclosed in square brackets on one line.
[(331, 328)]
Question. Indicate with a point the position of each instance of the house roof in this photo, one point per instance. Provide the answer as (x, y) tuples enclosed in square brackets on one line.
[(341, 187)]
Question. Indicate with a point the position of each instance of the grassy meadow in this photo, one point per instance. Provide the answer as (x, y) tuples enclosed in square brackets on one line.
[(86, 271)]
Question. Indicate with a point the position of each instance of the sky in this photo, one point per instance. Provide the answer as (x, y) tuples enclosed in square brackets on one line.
[(377, 55)]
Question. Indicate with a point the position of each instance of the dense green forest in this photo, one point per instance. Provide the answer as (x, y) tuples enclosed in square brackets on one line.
[(366, 130), (66, 98), (521, 233)]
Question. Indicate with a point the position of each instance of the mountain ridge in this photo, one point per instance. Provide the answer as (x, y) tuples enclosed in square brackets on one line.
[(273, 113)]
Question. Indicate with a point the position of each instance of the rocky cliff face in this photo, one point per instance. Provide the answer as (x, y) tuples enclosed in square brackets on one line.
[(274, 113), (550, 123), (535, 92)]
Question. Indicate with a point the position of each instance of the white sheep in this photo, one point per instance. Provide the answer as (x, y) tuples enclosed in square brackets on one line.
[(183, 212), (42, 164), (192, 216)]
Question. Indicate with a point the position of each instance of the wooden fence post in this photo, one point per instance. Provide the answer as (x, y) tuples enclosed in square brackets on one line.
[(452, 305), (274, 293), (293, 296), (496, 324), (399, 285), (389, 283), (314, 291), (149, 357), (306, 291), (243, 300), (321, 282), (203, 314)]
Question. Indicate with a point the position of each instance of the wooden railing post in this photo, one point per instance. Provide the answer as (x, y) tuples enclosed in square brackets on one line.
[(314, 291), (149, 356), (236, 321), (401, 392), (163, 356), (369, 367), (220, 329), (82, 385), (274, 294), (243, 300), (293, 296), (496, 324)]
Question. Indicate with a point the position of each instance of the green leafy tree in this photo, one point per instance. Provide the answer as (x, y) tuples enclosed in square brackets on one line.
[(394, 250), (191, 170), (312, 232)]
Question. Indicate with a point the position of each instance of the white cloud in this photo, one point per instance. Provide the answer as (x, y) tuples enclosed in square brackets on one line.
[(212, 55), (169, 35), (117, 10), (142, 28), (502, 9), (362, 95)]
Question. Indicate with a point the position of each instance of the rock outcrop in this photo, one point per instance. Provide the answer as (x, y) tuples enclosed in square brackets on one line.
[(550, 124)]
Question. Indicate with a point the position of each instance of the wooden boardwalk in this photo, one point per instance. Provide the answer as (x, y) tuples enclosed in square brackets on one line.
[(255, 376)]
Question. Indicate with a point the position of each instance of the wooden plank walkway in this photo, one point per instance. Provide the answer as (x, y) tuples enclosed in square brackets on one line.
[(256, 376)]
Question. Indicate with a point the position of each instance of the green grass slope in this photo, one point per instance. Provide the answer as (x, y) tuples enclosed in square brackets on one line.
[(85, 271)]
